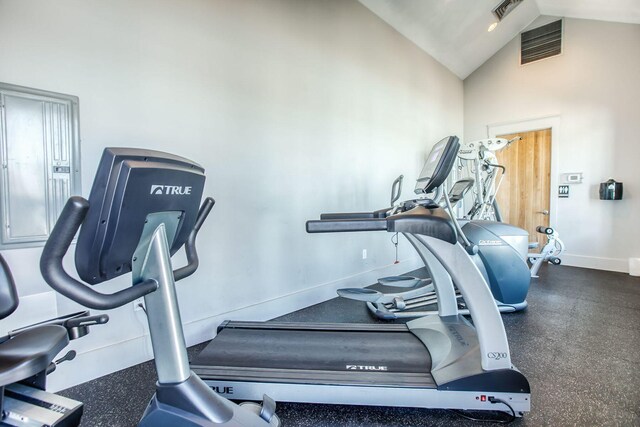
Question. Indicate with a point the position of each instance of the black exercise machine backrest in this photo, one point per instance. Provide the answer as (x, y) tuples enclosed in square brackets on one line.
[(439, 163), (8, 292), (130, 184)]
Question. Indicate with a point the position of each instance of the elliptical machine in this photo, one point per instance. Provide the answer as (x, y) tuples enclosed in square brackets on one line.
[(499, 251), (478, 158), (142, 209)]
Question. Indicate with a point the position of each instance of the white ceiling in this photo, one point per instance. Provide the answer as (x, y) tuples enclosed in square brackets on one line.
[(603, 10), (455, 32)]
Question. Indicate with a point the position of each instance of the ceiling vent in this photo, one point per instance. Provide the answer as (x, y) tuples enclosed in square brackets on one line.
[(540, 43), (504, 8)]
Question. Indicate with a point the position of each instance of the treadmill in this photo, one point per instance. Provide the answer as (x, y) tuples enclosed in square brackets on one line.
[(439, 361)]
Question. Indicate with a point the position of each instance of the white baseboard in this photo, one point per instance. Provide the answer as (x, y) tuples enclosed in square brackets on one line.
[(102, 361), (598, 263)]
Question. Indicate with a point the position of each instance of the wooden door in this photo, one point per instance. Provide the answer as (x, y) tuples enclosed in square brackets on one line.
[(524, 195)]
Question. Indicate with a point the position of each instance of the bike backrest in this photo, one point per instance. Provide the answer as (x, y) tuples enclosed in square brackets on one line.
[(8, 292)]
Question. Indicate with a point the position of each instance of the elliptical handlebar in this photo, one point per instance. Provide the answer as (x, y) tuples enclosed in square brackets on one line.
[(190, 245), (495, 165), (514, 139), (53, 272)]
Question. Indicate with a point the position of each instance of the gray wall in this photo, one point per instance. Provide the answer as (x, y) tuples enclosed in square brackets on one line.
[(293, 107), (592, 88)]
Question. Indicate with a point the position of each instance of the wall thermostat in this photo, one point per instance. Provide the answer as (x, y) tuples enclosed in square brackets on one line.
[(572, 178)]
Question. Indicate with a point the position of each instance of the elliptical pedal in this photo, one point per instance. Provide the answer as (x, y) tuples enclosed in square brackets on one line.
[(403, 281)]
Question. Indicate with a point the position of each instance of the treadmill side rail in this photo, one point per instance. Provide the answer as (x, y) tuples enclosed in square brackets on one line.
[(409, 397), (308, 326)]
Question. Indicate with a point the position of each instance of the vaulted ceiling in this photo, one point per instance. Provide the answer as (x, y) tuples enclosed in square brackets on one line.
[(455, 32)]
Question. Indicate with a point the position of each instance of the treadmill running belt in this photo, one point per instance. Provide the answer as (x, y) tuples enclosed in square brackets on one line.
[(341, 351)]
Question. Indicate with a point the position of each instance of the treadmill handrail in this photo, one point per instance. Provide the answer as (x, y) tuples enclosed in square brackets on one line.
[(423, 220), (346, 225), (380, 213), (420, 220), (347, 215)]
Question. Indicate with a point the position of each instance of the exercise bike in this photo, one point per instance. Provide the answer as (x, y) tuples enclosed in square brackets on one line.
[(28, 356), (144, 206)]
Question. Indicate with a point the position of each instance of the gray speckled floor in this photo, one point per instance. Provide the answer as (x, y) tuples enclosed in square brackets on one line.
[(578, 343)]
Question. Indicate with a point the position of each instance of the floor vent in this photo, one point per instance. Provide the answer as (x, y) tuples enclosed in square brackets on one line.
[(540, 43), (504, 8)]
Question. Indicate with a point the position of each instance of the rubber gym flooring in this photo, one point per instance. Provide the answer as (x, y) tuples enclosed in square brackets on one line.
[(578, 343)]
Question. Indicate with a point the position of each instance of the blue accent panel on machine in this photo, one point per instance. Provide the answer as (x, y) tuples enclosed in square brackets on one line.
[(508, 274)]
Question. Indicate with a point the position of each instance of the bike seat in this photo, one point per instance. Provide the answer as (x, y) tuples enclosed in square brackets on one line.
[(30, 352)]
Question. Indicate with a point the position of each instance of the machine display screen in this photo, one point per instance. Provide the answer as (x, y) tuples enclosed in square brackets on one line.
[(459, 188), (429, 167)]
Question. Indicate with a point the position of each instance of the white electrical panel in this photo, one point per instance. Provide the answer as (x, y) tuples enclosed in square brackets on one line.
[(40, 156)]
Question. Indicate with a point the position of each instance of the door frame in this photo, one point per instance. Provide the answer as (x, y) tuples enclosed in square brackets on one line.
[(549, 122)]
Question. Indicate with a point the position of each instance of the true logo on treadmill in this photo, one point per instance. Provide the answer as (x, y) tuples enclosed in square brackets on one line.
[(222, 390), (170, 190), (366, 368), (458, 336)]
